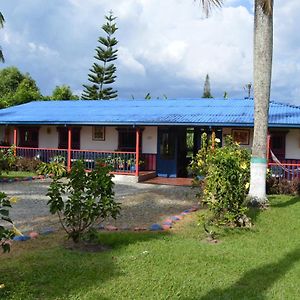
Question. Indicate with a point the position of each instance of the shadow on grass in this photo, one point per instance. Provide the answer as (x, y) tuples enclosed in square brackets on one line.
[(290, 202), (257, 281), (57, 273)]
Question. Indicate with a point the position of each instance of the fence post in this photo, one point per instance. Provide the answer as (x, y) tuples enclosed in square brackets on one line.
[(137, 152), (69, 149), (15, 140)]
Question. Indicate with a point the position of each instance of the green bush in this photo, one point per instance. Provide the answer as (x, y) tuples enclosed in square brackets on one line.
[(5, 234), (7, 159), (226, 172), (55, 168), (89, 199)]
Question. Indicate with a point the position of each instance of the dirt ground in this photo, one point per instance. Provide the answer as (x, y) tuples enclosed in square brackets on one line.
[(141, 204)]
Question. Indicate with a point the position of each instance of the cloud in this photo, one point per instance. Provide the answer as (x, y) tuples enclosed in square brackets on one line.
[(164, 46)]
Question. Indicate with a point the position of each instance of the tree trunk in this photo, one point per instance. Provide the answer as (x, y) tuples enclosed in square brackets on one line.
[(263, 49)]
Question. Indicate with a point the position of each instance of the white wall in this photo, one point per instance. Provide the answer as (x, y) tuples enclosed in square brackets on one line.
[(292, 146), (150, 140), (109, 144), (48, 137)]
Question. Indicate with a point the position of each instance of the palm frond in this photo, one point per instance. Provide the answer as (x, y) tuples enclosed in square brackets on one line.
[(2, 20), (1, 57), (267, 6), (208, 5)]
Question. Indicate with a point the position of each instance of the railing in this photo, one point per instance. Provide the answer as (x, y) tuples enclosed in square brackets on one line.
[(122, 162), (287, 169), (43, 154)]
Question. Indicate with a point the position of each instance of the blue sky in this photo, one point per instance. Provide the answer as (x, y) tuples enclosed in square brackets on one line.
[(165, 47)]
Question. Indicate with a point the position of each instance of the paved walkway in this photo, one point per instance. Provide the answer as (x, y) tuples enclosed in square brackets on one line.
[(142, 204)]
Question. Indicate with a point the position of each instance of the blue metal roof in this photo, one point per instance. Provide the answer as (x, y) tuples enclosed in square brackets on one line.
[(190, 112)]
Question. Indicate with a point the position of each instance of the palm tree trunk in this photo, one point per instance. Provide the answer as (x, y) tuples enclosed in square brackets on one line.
[(263, 49)]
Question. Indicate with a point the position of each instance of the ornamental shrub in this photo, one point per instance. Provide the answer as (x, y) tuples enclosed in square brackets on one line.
[(89, 199), (5, 233), (7, 159), (55, 168), (226, 172)]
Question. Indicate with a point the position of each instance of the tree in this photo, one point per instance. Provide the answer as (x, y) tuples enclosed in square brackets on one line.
[(263, 51), (103, 75), (2, 20), (63, 92), (17, 88), (206, 89), (27, 91)]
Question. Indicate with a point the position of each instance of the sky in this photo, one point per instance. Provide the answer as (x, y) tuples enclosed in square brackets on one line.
[(166, 47)]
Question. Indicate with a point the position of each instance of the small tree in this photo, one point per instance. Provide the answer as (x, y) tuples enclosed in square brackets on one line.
[(226, 174), (103, 75), (90, 198), (63, 92), (206, 89), (5, 233)]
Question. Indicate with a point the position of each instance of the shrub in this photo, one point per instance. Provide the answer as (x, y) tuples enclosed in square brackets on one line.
[(55, 168), (89, 198), (5, 234), (26, 164), (7, 159), (225, 186), (281, 186)]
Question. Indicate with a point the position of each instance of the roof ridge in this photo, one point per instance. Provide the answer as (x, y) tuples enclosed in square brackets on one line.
[(285, 104)]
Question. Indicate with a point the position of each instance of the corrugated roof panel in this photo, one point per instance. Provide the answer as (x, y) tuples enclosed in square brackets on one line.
[(220, 112)]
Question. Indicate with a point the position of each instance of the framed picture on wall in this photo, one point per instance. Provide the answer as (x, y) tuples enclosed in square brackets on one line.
[(98, 133), (241, 136)]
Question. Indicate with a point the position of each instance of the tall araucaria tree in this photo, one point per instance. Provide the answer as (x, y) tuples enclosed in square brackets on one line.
[(263, 52), (1, 26), (103, 74), (206, 89)]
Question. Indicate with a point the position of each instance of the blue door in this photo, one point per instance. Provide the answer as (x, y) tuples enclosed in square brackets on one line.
[(167, 153)]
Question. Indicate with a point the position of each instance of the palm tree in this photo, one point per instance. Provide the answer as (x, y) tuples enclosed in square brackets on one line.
[(263, 52), (1, 26)]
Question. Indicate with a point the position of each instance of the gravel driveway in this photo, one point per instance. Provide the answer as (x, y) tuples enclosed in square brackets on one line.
[(142, 204)]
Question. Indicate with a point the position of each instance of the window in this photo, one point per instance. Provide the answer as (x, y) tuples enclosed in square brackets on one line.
[(98, 133), (127, 139), (29, 137), (241, 136)]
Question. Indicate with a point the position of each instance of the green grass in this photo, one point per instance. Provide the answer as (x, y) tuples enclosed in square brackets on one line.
[(261, 263), (16, 174)]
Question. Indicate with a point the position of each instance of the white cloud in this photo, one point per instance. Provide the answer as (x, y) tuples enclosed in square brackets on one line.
[(129, 63), (167, 45)]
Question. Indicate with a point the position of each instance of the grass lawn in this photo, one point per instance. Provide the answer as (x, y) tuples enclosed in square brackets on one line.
[(261, 263), (16, 174)]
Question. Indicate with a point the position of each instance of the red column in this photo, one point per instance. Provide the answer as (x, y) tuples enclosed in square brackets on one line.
[(69, 149), (213, 137), (137, 152), (268, 146), (15, 140)]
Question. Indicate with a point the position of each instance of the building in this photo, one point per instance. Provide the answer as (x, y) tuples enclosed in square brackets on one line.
[(142, 137)]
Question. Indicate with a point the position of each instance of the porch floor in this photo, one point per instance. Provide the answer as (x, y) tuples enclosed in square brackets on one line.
[(170, 181)]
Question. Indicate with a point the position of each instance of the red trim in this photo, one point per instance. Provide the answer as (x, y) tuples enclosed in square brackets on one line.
[(100, 151), (268, 146), (137, 150), (69, 149), (284, 164), (15, 140)]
